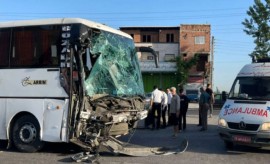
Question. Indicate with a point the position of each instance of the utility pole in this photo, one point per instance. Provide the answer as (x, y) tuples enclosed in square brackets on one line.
[(212, 61)]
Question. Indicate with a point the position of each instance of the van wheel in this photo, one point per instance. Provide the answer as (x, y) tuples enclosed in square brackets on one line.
[(229, 145), (26, 134)]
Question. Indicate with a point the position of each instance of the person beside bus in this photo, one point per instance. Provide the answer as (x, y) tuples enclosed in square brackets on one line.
[(175, 110), (155, 104), (204, 107), (212, 98), (164, 107), (169, 95), (183, 110)]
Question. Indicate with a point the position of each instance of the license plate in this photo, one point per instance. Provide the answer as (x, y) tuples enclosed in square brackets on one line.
[(245, 139)]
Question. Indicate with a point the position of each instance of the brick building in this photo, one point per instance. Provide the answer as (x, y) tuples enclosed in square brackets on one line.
[(185, 41)]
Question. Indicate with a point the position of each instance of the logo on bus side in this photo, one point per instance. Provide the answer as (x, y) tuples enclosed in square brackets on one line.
[(26, 81)]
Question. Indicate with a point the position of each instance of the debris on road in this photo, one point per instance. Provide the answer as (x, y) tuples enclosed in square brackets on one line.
[(117, 147)]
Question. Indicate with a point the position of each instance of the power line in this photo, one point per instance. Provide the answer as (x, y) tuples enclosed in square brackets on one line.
[(125, 12), (240, 61), (230, 41), (231, 45)]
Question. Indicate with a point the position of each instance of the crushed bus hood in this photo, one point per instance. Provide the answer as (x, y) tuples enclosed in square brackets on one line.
[(106, 117)]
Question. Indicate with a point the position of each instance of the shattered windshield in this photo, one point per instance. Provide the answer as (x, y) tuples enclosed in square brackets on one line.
[(115, 68), (256, 88)]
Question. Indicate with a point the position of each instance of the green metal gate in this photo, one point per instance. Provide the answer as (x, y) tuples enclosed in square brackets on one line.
[(162, 80)]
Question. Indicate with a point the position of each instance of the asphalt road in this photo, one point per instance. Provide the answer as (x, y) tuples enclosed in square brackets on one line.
[(204, 147)]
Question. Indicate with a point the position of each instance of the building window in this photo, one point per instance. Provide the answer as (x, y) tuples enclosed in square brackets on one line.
[(146, 38), (146, 56), (169, 57), (169, 38), (199, 39), (201, 64), (150, 57)]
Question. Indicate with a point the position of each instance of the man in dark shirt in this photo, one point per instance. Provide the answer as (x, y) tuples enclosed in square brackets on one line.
[(183, 110), (204, 106), (212, 98)]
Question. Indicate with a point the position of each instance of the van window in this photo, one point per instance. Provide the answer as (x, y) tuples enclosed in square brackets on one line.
[(257, 88)]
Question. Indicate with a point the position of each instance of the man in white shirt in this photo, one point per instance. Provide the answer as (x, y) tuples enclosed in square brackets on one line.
[(156, 99), (164, 108), (169, 95)]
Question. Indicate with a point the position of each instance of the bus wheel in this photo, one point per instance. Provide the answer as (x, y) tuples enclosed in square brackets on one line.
[(25, 134)]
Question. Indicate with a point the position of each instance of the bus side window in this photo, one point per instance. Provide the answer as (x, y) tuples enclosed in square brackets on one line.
[(35, 46), (22, 48), (5, 46)]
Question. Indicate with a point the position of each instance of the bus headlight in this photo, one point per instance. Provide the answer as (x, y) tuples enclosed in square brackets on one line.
[(222, 123), (265, 126)]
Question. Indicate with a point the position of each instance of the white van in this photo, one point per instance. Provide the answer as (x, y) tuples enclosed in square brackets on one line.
[(245, 117)]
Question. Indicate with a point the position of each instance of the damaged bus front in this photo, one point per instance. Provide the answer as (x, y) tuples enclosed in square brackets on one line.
[(106, 89)]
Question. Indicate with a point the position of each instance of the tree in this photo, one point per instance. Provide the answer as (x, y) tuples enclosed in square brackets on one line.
[(183, 67), (258, 27)]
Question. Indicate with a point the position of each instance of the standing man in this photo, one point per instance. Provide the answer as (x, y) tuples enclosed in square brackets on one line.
[(164, 107), (174, 111), (169, 95), (155, 103), (183, 110), (212, 98), (204, 106)]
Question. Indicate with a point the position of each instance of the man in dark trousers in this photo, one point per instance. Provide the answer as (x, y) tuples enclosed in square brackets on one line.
[(183, 110), (155, 103), (212, 98), (204, 107)]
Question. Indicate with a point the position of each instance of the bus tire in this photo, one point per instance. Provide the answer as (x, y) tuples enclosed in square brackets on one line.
[(26, 134)]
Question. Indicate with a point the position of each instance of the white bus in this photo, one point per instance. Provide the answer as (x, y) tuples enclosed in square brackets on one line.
[(67, 80)]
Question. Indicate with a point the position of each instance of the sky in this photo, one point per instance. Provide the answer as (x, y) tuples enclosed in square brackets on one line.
[(231, 45)]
